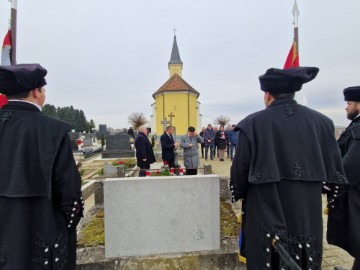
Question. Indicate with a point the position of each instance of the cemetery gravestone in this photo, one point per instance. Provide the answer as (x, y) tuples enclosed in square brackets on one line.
[(87, 142), (109, 170), (118, 146), (74, 136), (102, 131), (173, 214)]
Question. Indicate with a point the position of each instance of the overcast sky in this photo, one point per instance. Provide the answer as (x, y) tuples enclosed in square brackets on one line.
[(108, 57)]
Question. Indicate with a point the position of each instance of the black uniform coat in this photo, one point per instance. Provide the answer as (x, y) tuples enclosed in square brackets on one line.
[(40, 191), (344, 209), (143, 150), (167, 147), (285, 153)]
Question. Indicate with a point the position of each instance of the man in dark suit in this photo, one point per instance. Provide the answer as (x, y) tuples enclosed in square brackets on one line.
[(144, 152), (168, 146), (40, 187)]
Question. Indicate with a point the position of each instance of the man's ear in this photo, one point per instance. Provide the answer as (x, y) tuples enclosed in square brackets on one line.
[(34, 93), (268, 98), (358, 106)]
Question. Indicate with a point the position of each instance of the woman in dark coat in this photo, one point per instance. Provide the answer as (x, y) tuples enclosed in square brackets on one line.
[(221, 139)]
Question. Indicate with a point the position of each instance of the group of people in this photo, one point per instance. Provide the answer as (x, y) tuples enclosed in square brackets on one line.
[(219, 141), (286, 156), (189, 142)]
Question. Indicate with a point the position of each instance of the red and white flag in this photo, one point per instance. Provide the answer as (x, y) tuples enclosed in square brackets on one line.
[(6, 48), (293, 58)]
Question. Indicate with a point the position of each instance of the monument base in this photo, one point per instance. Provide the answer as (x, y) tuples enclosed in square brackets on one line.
[(118, 154)]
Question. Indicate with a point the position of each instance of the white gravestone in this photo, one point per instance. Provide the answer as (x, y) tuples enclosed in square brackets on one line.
[(157, 215)]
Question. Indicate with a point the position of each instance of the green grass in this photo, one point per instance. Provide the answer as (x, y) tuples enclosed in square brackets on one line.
[(93, 234), (229, 224)]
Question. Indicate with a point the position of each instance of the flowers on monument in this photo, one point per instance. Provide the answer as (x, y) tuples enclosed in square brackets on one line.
[(78, 142), (127, 163), (164, 171), (3, 100)]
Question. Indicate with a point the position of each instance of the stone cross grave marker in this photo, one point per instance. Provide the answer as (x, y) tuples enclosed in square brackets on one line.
[(165, 122)]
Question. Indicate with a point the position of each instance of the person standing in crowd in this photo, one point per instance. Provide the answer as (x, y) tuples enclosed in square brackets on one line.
[(232, 141), (221, 139), (40, 190), (209, 137), (227, 132), (203, 144), (190, 143), (285, 152), (144, 152), (168, 146), (215, 152), (130, 132), (344, 203)]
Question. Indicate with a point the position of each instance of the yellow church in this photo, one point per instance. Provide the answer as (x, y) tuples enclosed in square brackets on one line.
[(176, 101)]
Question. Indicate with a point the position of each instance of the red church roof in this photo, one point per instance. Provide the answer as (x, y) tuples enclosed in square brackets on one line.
[(176, 83)]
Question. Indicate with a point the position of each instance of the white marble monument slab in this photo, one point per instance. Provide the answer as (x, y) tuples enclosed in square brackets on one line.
[(156, 215)]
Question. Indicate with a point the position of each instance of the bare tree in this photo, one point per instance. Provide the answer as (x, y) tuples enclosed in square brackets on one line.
[(137, 120), (222, 120)]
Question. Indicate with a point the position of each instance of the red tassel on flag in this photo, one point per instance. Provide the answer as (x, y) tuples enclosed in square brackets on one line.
[(293, 58)]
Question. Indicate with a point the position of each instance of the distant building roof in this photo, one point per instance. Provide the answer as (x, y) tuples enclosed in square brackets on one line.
[(175, 55), (176, 83)]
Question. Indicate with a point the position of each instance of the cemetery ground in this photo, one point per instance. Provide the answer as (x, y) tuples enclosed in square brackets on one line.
[(91, 233)]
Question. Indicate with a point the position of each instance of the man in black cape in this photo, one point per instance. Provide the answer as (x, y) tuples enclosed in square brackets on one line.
[(344, 203), (40, 186), (284, 154)]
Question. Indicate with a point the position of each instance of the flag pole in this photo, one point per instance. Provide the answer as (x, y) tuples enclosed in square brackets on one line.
[(13, 26), (296, 14)]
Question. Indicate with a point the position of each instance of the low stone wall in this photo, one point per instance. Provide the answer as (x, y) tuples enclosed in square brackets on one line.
[(93, 193), (146, 216)]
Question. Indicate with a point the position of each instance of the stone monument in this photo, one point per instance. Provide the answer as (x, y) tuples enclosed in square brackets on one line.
[(118, 146), (160, 215)]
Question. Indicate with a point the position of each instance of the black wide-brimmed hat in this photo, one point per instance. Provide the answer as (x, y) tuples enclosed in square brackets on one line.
[(21, 78), (352, 93), (286, 80)]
